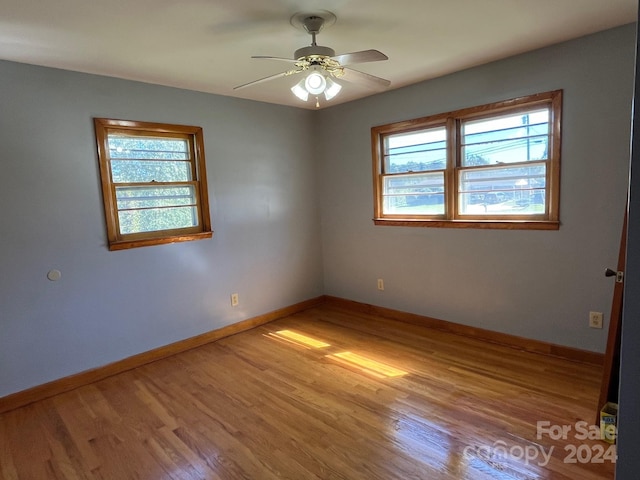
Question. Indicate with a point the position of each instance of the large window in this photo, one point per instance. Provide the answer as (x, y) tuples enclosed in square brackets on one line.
[(154, 183), (492, 166)]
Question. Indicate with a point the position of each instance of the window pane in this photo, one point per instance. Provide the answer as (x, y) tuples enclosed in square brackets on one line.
[(421, 194), (152, 148), (506, 139), (149, 197), (142, 171), (503, 190), (416, 151), (154, 219)]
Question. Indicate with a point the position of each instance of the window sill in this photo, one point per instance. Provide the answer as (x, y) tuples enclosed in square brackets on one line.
[(145, 242), (488, 224)]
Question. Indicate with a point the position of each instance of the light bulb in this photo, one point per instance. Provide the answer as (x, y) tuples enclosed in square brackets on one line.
[(315, 83)]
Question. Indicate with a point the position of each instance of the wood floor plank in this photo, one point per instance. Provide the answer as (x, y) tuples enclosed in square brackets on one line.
[(264, 405)]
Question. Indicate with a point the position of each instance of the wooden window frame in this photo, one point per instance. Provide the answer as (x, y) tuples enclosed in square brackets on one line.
[(550, 220), (194, 137)]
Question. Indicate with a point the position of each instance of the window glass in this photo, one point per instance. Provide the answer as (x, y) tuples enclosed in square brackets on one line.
[(484, 166), (506, 139), (503, 190), (416, 151), (148, 209), (414, 194)]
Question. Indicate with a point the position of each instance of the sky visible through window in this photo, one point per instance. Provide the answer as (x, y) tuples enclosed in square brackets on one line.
[(506, 139)]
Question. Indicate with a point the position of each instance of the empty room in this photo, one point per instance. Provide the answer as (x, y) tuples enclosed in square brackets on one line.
[(319, 240)]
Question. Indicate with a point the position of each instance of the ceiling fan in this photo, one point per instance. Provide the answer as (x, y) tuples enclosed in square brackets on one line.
[(321, 65)]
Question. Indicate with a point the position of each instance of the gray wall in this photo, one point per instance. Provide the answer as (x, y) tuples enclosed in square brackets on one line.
[(535, 284), (111, 305)]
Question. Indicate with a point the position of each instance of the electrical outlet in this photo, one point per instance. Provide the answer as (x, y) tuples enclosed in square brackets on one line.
[(234, 300), (380, 284), (595, 319)]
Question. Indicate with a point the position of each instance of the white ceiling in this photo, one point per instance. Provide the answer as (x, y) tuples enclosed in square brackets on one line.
[(206, 45)]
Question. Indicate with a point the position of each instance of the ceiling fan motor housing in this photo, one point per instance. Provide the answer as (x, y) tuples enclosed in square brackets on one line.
[(315, 50)]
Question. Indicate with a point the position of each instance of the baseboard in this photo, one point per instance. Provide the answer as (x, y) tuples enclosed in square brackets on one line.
[(521, 343), (55, 387)]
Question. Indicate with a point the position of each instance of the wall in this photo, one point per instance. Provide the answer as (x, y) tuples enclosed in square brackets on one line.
[(111, 305), (535, 284)]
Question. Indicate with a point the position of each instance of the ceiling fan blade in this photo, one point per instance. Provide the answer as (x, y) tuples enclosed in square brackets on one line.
[(282, 59), (364, 79), (360, 57), (265, 79)]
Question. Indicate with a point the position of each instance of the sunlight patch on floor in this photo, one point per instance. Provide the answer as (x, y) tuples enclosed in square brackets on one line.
[(298, 339), (373, 367)]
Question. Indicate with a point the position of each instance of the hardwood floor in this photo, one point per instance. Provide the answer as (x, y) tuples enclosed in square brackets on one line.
[(260, 405)]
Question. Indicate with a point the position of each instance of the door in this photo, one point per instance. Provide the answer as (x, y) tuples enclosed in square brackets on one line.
[(611, 369)]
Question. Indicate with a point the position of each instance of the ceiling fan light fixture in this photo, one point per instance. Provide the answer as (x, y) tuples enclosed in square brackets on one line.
[(299, 90), (319, 65), (315, 83), (333, 88)]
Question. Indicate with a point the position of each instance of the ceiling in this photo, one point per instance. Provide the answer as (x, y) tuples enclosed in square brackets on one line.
[(206, 45)]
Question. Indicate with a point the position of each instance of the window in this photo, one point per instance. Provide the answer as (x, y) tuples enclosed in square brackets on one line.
[(492, 166), (154, 183)]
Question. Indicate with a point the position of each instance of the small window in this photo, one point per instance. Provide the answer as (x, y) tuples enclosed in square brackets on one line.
[(493, 166), (154, 183)]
